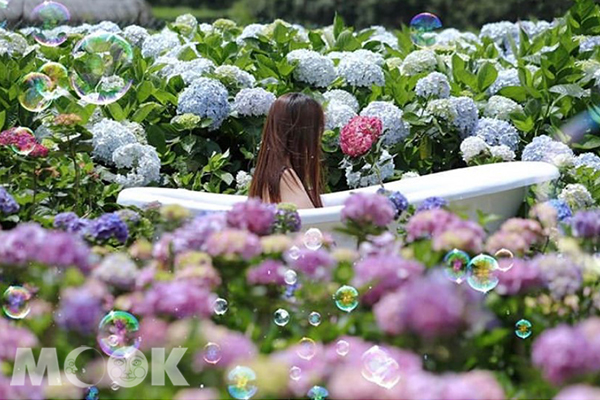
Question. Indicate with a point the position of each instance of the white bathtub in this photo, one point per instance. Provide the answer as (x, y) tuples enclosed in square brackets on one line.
[(495, 189)]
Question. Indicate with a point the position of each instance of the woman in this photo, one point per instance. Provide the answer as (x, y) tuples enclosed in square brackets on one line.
[(288, 169)]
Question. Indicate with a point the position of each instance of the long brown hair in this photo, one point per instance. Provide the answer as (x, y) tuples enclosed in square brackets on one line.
[(291, 138)]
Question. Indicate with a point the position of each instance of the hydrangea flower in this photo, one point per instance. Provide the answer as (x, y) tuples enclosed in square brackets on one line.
[(70, 222), (188, 22), (586, 224), (363, 208), (461, 112), (188, 70), (242, 180), (206, 98), (395, 129), (342, 97), (563, 211), (501, 107), (81, 308), (361, 54), (254, 102), (576, 196), (12, 43), (432, 203), (233, 76), (136, 35), (418, 62), (269, 272), (250, 31), (158, 43), (357, 137), (359, 72), (589, 160), (398, 200), (117, 270), (108, 226), (496, 132), (503, 152), (287, 219), (369, 175), (23, 141), (434, 85), (589, 43), (108, 136), (544, 148), (472, 147), (500, 32), (233, 244), (177, 298), (535, 28), (507, 77), (313, 68), (8, 205), (338, 115), (143, 162), (252, 215), (384, 36)]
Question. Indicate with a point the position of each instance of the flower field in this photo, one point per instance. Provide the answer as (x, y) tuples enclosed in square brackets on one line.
[(252, 303)]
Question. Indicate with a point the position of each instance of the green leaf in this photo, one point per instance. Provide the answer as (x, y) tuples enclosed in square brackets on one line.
[(2, 119), (486, 77), (145, 109), (589, 142), (338, 25), (156, 138), (188, 143), (117, 112), (571, 90), (347, 42), (517, 93)]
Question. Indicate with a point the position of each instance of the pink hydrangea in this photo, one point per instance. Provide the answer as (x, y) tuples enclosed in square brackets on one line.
[(357, 137), (22, 139), (363, 208)]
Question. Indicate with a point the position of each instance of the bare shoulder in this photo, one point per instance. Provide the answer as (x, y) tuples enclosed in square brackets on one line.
[(292, 190)]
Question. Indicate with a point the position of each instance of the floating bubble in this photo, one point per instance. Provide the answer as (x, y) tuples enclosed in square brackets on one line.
[(48, 16), (35, 92), (505, 259), (102, 68), (294, 252), (482, 273), (314, 318), (15, 302), (220, 306), (241, 383), (523, 329), (24, 148), (212, 353), (281, 317), (59, 76), (317, 393), (114, 386), (342, 348), (295, 373), (313, 239), (307, 348), (290, 277), (92, 393), (455, 265), (422, 29), (118, 334), (378, 367), (346, 298)]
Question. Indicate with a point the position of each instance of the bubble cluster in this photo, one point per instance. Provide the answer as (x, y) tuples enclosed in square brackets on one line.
[(314, 318), (118, 334), (455, 265), (294, 252), (295, 373), (380, 368), (15, 302), (422, 29), (317, 393), (59, 76), (35, 92), (48, 16), (523, 329), (313, 239), (505, 259), (220, 306), (241, 383), (346, 298), (342, 348), (281, 317), (290, 277), (307, 348), (482, 273), (212, 353), (102, 68), (92, 393)]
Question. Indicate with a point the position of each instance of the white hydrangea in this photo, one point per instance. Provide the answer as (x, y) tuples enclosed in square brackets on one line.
[(313, 68), (178, 51), (367, 176), (589, 43), (337, 115), (502, 152), (472, 147), (418, 62), (157, 44), (109, 135), (434, 85), (143, 162), (301, 33), (501, 107), (410, 175), (507, 77), (589, 160), (535, 28), (250, 31), (104, 26), (359, 72), (137, 130), (500, 32), (496, 132), (242, 180), (235, 76), (116, 269), (395, 129), (205, 28), (136, 35), (189, 21), (188, 70), (460, 112), (452, 36), (342, 97), (361, 54), (253, 102), (384, 36), (206, 98), (12, 43), (576, 196), (113, 83)]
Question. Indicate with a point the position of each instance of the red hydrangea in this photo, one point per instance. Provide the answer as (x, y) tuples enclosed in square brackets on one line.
[(23, 141), (359, 135)]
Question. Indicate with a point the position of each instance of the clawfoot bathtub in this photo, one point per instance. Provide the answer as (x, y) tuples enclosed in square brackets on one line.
[(495, 189)]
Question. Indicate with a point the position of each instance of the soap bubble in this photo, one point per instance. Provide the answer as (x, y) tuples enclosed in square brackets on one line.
[(114, 386), (92, 393), (482, 273), (24, 148), (378, 367), (290, 277), (15, 302), (35, 92), (307, 348), (342, 348), (422, 29), (317, 393), (294, 253), (241, 383), (313, 239), (505, 259), (455, 265), (59, 76), (281, 317), (48, 16), (346, 298), (118, 334), (314, 318), (523, 329), (220, 306), (212, 353), (295, 373), (102, 68)]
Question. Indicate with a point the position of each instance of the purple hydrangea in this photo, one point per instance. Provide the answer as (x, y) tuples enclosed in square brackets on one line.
[(252, 215), (363, 208), (432, 203), (81, 308), (8, 205), (13, 337), (316, 264), (578, 392), (397, 199), (428, 224), (562, 209), (287, 219), (523, 276), (232, 244), (178, 299), (28, 391), (269, 272), (70, 222), (518, 235), (460, 386), (109, 226), (560, 273), (586, 224), (234, 346)]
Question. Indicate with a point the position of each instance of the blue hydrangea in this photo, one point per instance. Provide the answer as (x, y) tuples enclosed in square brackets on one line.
[(535, 28), (501, 107), (398, 200), (544, 148), (157, 44), (395, 129), (337, 115), (589, 160), (142, 161), (70, 222), (432, 203), (562, 209), (589, 43), (230, 75), (500, 32), (107, 227), (188, 70), (507, 77), (253, 102), (8, 205), (359, 72), (342, 97), (418, 62), (313, 68), (206, 98), (461, 112), (496, 132), (434, 85), (109, 135)]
